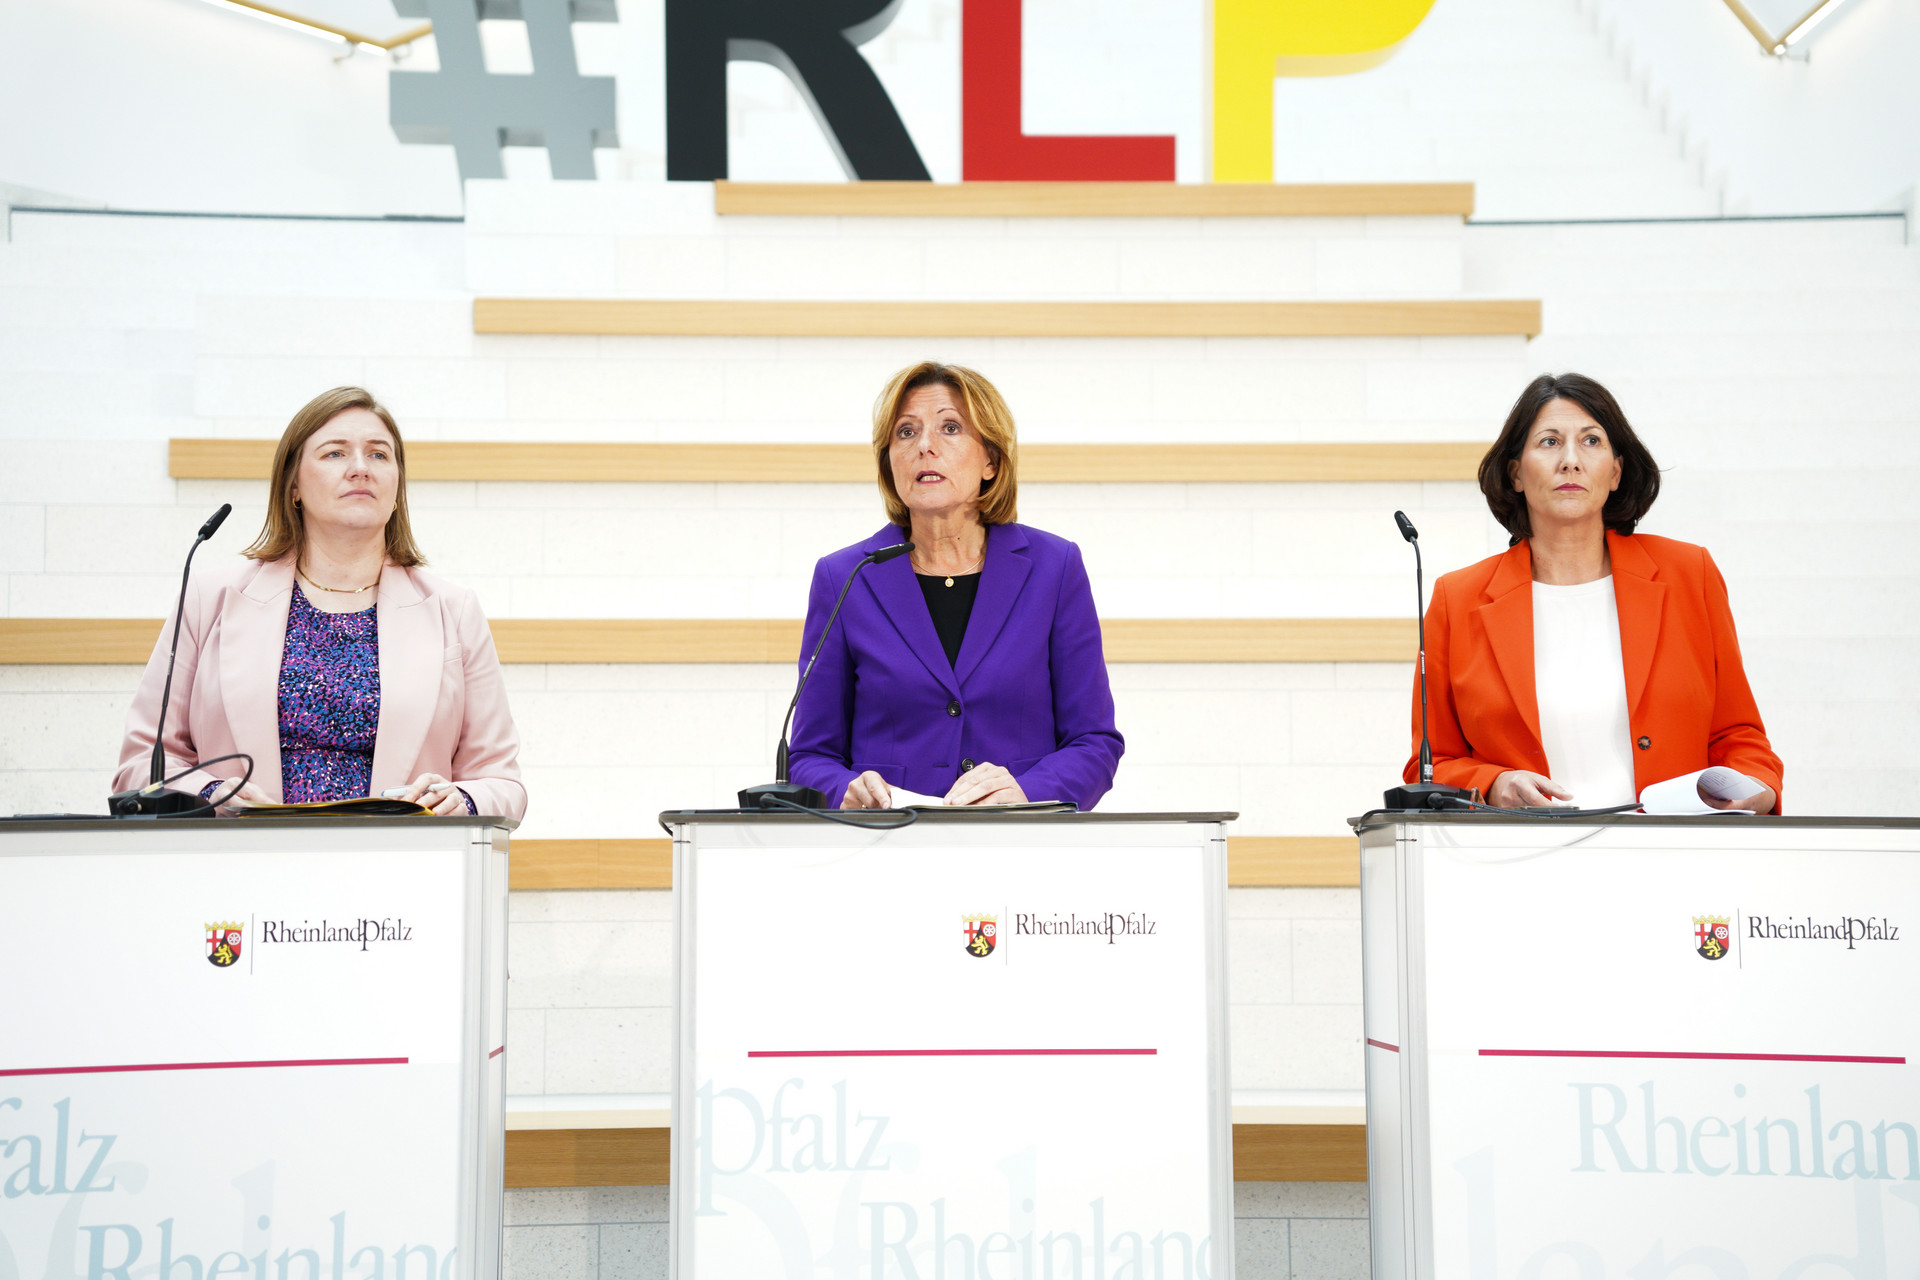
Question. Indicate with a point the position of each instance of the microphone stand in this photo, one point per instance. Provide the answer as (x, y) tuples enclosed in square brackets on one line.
[(156, 799), (782, 793), (1424, 794)]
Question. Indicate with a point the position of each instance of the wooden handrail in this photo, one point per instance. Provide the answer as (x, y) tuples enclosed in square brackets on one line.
[(344, 33), (724, 317), (1258, 862), (1777, 45), (639, 462), (61, 641), (1093, 199), (638, 1157)]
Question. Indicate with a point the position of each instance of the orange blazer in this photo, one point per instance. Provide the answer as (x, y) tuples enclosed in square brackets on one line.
[(443, 699), (1687, 694)]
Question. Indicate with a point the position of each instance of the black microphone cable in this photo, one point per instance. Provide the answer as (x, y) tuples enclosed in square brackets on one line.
[(212, 806), (908, 816), (1457, 804)]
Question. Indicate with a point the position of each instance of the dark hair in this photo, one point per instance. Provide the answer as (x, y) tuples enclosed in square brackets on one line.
[(1639, 474)]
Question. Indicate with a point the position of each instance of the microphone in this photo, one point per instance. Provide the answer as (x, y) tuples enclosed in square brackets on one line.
[(771, 795), (1424, 794), (155, 800)]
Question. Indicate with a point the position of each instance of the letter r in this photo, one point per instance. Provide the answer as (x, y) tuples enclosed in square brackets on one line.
[(815, 43)]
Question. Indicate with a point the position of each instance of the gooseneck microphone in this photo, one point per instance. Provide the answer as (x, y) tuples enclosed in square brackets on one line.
[(153, 799), (1424, 794), (781, 793)]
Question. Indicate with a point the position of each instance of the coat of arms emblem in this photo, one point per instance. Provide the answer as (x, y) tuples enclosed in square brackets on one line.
[(1711, 936), (981, 932), (223, 944)]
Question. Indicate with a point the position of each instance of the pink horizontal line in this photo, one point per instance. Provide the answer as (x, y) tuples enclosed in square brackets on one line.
[(1713, 1057), (947, 1053), (201, 1066), (1382, 1044), (497, 1052)]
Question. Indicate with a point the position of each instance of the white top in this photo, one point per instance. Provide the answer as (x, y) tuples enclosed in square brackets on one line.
[(1581, 684)]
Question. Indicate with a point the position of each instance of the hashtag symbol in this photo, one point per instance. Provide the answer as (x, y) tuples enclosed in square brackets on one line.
[(477, 112)]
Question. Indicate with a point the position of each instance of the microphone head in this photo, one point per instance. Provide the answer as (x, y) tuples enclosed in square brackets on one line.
[(208, 529), (885, 554), (1407, 530)]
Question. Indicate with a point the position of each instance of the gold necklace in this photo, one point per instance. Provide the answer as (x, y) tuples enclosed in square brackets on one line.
[(964, 572), (344, 591)]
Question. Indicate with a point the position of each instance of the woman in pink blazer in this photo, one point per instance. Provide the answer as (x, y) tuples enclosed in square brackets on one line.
[(329, 656)]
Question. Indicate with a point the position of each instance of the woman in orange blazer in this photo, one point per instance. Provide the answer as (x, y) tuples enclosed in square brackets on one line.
[(1587, 661), (328, 655)]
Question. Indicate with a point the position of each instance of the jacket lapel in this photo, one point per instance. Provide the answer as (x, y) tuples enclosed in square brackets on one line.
[(1002, 577), (253, 636), (898, 592), (412, 649), (1640, 599), (1508, 622)]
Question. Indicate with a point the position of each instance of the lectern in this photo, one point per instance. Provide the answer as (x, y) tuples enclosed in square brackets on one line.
[(983, 1044), (1634, 1047), (262, 1049)]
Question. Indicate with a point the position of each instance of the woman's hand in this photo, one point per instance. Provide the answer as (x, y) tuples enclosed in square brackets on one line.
[(868, 791), (1518, 789), (986, 784), (437, 793), (231, 797)]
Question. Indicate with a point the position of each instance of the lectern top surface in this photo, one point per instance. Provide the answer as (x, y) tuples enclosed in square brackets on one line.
[(1394, 817), (884, 818), (102, 822)]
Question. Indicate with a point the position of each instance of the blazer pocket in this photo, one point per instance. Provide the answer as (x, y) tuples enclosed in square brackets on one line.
[(454, 653), (892, 774)]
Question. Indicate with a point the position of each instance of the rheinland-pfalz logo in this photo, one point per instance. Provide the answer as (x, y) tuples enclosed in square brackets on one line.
[(1105, 927), (1713, 935), (981, 933), (358, 934), (223, 944), (1710, 936), (1850, 930)]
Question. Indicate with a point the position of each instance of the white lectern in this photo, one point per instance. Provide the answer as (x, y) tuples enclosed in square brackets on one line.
[(983, 1044), (257, 1050), (1637, 1047)]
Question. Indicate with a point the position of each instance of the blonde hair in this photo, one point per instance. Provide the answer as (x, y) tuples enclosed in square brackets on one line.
[(286, 529), (986, 412)]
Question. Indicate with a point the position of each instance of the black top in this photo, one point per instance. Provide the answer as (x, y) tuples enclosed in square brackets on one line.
[(950, 606)]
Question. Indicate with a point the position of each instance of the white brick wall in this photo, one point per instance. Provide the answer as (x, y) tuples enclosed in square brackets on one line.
[(1762, 362)]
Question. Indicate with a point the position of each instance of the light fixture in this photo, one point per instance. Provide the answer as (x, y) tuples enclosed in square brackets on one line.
[(1814, 18), (1777, 45), (325, 31)]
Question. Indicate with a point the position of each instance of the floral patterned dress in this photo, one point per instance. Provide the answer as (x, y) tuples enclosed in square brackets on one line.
[(329, 704)]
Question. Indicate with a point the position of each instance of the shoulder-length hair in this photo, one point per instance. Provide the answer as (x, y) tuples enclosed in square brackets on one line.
[(1639, 474), (987, 413), (286, 529)]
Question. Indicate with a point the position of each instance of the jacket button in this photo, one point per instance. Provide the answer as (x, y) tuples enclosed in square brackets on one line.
[(953, 708), (967, 765), (1645, 743)]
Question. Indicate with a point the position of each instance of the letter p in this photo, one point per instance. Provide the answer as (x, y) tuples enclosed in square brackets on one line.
[(1256, 40)]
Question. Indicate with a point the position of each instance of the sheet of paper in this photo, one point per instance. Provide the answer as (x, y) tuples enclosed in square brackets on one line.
[(905, 799), (1682, 795)]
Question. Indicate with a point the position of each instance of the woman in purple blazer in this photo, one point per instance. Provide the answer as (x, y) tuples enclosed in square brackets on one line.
[(972, 669)]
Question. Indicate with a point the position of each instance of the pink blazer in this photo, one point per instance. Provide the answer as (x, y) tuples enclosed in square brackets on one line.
[(443, 701)]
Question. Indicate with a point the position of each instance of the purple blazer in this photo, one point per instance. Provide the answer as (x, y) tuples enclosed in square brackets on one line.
[(1029, 693)]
